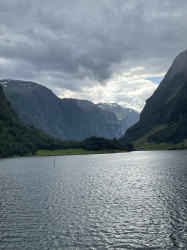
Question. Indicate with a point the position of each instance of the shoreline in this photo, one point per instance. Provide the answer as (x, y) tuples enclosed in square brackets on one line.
[(66, 154), (69, 152)]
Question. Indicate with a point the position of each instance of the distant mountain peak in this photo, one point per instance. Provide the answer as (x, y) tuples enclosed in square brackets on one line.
[(127, 117), (19, 84), (68, 118)]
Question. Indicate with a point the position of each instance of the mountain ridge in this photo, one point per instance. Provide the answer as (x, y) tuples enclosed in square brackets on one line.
[(163, 119), (126, 116), (67, 118), (16, 138)]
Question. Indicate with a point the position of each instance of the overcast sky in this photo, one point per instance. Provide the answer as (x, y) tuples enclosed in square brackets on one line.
[(100, 50)]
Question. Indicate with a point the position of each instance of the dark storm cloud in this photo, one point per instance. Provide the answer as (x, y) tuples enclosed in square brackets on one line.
[(68, 41)]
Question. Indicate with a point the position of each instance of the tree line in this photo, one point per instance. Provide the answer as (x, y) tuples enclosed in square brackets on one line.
[(16, 138)]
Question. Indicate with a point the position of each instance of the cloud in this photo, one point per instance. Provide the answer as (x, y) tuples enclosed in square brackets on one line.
[(75, 47), (126, 89)]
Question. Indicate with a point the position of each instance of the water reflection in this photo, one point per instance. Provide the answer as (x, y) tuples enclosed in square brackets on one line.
[(131, 200)]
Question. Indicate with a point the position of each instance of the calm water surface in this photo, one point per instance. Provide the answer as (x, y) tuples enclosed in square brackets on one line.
[(132, 200)]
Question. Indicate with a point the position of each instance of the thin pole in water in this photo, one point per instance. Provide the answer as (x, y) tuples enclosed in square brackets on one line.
[(54, 160)]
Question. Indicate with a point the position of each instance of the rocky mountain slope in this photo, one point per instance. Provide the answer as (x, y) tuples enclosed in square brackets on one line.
[(15, 137), (126, 116), (68, 119), (164, 117)]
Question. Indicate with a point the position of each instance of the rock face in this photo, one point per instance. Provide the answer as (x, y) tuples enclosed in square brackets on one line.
[(15, 137), (68, 119), (164, 117), (126, 116)]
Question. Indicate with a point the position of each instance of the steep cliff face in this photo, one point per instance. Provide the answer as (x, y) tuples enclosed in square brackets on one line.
[(172, 84), (68, 119), (126, 117), (164, 117), (15, 137)]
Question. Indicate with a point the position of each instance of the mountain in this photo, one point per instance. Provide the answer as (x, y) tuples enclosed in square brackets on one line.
[(68, 119), (164, 117), (126, 116), (18, 139)]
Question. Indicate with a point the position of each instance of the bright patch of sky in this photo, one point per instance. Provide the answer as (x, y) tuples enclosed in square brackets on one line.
[(155, 79)]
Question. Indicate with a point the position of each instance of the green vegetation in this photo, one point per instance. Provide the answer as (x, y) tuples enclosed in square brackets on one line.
[(163, 121), (154, 146), (161, 146), (145, 137), (74, 151), (96, 143), (18, 139), (66, 119)]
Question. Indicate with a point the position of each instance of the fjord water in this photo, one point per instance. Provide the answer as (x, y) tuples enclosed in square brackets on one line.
[(124, 201)]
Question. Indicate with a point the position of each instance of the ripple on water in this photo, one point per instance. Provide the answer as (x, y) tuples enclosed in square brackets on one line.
[(124, 201)]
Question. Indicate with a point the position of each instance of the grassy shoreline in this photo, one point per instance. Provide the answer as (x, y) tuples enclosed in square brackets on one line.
[(150, 146), (80, 151), (64, 152), (73, 151)]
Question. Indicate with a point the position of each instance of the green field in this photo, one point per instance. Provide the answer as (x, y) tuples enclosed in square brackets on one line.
[(154, 146), (74, 151), (162, 146), (143, 139)]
